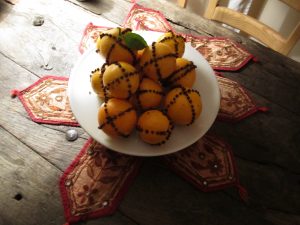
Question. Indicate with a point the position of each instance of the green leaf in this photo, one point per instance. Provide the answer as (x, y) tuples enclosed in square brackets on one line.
[(134, 41)]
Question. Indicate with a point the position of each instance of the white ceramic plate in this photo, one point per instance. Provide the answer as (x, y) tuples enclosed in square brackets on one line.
[(85, 103)]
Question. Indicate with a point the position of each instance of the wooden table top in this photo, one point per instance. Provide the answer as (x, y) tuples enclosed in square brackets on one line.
[(33, 156)]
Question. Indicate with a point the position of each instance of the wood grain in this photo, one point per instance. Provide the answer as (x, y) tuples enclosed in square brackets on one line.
[(49, 143), (55, 41), (266, 145), (28, 187)]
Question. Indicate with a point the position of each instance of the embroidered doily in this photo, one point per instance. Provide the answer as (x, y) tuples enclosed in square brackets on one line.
[(46, 101), (95, 182), (208, 164), (141, 18), (236, 103), (221, 53)]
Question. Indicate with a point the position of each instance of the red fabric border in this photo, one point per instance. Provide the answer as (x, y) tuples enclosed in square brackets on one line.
[(102, 212), (249, 113), (37, 120)]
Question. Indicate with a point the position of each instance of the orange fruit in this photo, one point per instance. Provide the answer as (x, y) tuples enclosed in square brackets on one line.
[(158, 61), (113, 48), (117, 117), (149, 94), (154, 127), (96, 82), (175, 42), (120, 80), (184, 75), (183, 105)]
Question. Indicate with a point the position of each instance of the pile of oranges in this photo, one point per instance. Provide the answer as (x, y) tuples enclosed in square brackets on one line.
[(149, 89)]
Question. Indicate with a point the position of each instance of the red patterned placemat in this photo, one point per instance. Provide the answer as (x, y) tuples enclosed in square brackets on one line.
[(46, 101), (208, 164), (220, 52), (236, 104), (96, 181), (142, 18)]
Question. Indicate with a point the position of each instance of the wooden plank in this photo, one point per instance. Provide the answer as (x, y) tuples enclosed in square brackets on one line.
[(267, 138), (113, 10), (55, 41), (49, 144), (47, 141), (29, 192), (263, 80), (160, 197), (42, 45), (270, 187), (29, 185), (281, 219)]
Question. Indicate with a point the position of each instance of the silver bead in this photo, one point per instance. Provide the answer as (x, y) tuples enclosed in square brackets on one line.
[(71, 135), (205, 182), (104, 203), (68, 183), (38, 21), (90, 152)]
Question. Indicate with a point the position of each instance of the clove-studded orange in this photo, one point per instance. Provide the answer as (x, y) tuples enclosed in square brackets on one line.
[(154, 127), (174, 41), (184, 75), (96, 81), (117, 117), (112, 47), (120, 80), (158, 61), (149, 94), (183, 105)]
